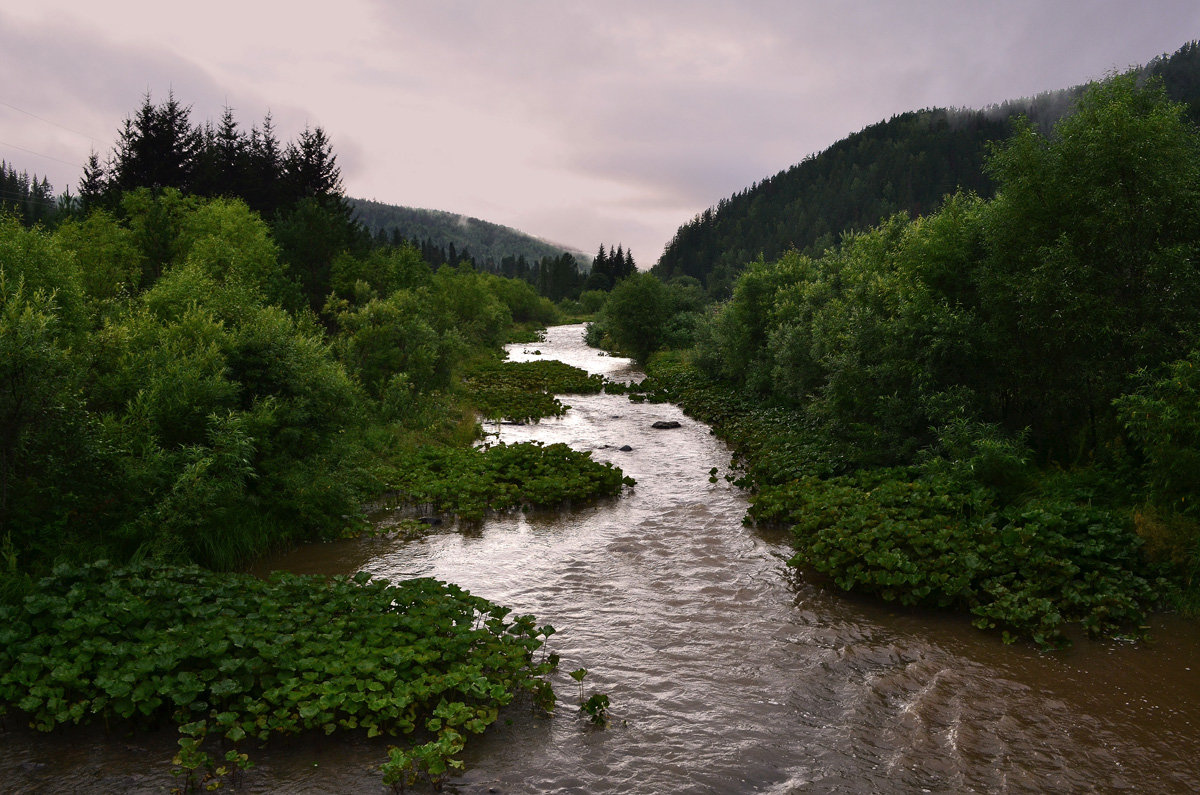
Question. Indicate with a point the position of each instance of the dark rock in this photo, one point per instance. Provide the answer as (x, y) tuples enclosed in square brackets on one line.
[(626, 448), (431, 520), (663, 425)]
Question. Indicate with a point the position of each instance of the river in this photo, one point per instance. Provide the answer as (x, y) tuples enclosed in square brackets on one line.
[(728, 671)]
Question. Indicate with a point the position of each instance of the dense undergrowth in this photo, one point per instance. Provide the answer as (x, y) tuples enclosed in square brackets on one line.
[(524, 391), (991, 407), (469, 482), (232, 661), (180, 388), (1027, 552)]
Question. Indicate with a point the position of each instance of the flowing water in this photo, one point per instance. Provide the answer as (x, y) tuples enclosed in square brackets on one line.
[(726, 670)]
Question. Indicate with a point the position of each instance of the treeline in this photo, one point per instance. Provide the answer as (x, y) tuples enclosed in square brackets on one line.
[(159, 147), (994, 405), (193, 408), (555, 277), (28, 198), (184, 379), (907, 164), (456, 237), (295, 186)]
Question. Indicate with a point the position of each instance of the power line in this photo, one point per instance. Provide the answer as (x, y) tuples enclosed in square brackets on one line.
[(47, 121), (39, 154), (8, 197)]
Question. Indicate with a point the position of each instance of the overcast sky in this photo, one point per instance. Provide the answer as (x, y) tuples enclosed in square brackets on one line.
[(580, 122)]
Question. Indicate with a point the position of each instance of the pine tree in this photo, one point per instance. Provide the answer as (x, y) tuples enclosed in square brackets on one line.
[(311, 167), (157, 148), (93, 185), (264, 163)]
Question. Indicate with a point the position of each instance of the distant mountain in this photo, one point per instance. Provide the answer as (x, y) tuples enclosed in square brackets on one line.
[(487, 243), (906, 164)]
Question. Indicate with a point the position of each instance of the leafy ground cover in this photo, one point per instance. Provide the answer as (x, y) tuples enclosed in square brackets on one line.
[(470, 481), (232, 660), (524, 391), (1027, 553)]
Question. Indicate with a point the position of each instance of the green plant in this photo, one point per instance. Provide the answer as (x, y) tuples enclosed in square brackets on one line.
[(596, 705), (230, 658), (471, 481)]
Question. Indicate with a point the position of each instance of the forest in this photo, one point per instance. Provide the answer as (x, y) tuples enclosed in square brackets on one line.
[(204, 358), (451, 238), (906, 164), (977, 390), (992, 406)]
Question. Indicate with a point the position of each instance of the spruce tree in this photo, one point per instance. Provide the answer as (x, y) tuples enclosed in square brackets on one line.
[(93, 184)]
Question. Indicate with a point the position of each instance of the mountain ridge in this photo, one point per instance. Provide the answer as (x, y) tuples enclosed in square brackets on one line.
[(487, 242), (907, 163)]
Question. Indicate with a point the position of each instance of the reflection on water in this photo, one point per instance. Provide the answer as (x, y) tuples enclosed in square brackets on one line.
[(726, 671)]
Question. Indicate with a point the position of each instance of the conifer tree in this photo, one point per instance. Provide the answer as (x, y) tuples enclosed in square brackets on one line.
[(93, 184), (264, 163)]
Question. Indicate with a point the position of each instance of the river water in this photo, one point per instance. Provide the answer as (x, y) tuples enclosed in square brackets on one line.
[(728, 671)]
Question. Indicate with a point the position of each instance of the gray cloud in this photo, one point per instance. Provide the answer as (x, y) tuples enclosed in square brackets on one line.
[(583, 123), (76, 78)]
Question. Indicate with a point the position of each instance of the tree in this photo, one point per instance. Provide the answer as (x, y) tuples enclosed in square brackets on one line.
[(157, 148), (636, 315), (93, 185), (264, 164), (1093, 258), (310, 167)]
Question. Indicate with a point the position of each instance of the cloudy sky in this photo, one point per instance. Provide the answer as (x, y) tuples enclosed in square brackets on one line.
[(580, 122)]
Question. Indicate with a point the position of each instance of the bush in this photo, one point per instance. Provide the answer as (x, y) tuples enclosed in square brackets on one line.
[(233, 658)]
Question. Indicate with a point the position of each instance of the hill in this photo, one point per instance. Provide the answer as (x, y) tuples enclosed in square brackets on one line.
[(488, 244), (905, 164)]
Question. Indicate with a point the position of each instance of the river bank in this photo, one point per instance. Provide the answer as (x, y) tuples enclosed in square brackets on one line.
[(727, 670)]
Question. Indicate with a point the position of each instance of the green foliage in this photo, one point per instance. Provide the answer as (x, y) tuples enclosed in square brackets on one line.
[(975, 527), (232, 244), (636, 315), (237, 659), (1092, 253), (1028, 570), (524, 391), (523, 302), (1162, 418), (109, 259), (391, 336), (1026, 311), (378, 274), (1162, 421), (595, 707), (463, 301), (190, 422), (44, 434), (592, 301), (311, 234), (470, 481)]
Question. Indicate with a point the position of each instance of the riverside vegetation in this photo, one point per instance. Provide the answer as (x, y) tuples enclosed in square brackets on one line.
[(185, 385), (993, 407)]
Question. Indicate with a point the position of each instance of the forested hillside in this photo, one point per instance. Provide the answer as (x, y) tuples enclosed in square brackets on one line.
[(203, 358), (461, 237), (906, 164), (992, 406)]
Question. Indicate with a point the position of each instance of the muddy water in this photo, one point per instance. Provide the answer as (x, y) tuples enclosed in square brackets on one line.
[(727, 672)]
